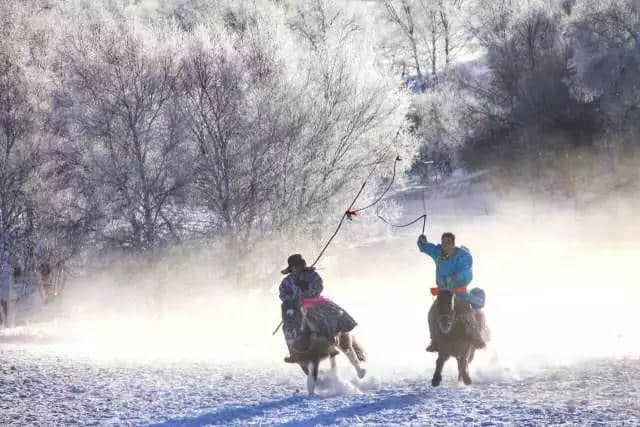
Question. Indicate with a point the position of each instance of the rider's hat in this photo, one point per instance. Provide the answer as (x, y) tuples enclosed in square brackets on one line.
[(294, 260)]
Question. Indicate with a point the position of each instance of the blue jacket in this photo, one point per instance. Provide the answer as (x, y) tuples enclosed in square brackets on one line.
[(454, 272)]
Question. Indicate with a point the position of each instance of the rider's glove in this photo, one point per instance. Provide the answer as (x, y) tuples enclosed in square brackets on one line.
[(422, 239)]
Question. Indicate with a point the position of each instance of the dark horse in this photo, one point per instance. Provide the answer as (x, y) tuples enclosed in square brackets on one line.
[(309, 348), (454, 339)]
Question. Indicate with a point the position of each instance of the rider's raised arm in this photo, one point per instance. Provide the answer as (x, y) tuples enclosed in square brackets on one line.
[(315, 286), (434, 251)]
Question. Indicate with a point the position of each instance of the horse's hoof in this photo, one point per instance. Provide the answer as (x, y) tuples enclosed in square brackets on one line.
[(436, 380), (362, 373), (466, 379)]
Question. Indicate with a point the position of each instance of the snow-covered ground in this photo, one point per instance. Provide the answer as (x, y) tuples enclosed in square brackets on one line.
[(561, 304), (40, 387)]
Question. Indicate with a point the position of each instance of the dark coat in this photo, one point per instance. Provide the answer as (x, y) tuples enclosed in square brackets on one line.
[(324, 316), (306, 284)]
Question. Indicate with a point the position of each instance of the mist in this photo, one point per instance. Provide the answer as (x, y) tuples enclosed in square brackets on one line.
[(559, 286)]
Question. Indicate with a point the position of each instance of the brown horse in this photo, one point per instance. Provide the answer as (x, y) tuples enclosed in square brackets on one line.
[(453, 340), (309, 348)]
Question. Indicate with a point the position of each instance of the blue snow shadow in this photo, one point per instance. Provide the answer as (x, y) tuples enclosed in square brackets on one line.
[(388, 401), (233, 414)]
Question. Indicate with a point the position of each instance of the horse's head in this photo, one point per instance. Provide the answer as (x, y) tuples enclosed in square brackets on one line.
[(446, 314), (293, 320)]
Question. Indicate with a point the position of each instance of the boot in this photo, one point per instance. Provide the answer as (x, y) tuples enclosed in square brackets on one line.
[(477, 341), (432, 347)]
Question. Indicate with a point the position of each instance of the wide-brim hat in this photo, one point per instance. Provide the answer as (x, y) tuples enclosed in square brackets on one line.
[(294, 260)]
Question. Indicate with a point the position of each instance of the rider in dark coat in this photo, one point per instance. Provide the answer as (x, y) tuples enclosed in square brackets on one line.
[(304, 285)]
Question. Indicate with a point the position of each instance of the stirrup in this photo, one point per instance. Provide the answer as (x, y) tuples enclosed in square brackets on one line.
[(289, 359)]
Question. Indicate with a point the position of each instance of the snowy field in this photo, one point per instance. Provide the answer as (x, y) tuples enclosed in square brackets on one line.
[(40, 388), (561, 304)]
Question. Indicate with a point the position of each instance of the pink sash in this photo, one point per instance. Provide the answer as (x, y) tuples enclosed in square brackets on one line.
[(308, 303)]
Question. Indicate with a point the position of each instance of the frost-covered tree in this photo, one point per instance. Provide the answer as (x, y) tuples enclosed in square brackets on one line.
[(19, 160), (422, 38), (529, 63), (288, 110), (123, 150), (439, 122), (607, 58), (20, 155), (351, 108), (25, 36), (235, 111)]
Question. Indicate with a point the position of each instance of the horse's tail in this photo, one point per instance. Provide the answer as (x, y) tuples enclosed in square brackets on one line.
[(360, 353)]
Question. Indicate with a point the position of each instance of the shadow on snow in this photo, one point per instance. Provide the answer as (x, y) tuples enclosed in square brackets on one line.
[(383, 403), (239, 413), (233, 414)]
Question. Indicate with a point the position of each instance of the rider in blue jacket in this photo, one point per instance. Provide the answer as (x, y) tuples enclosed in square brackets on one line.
[(453, 264), (453, 273)]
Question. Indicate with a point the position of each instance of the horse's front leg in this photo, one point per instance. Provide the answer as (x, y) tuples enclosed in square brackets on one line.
[(437, 375), (346, 346), (463, 370), (304, 367), (312, 376)]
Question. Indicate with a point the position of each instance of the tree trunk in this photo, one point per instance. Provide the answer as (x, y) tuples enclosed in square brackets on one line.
[(6, 283)]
